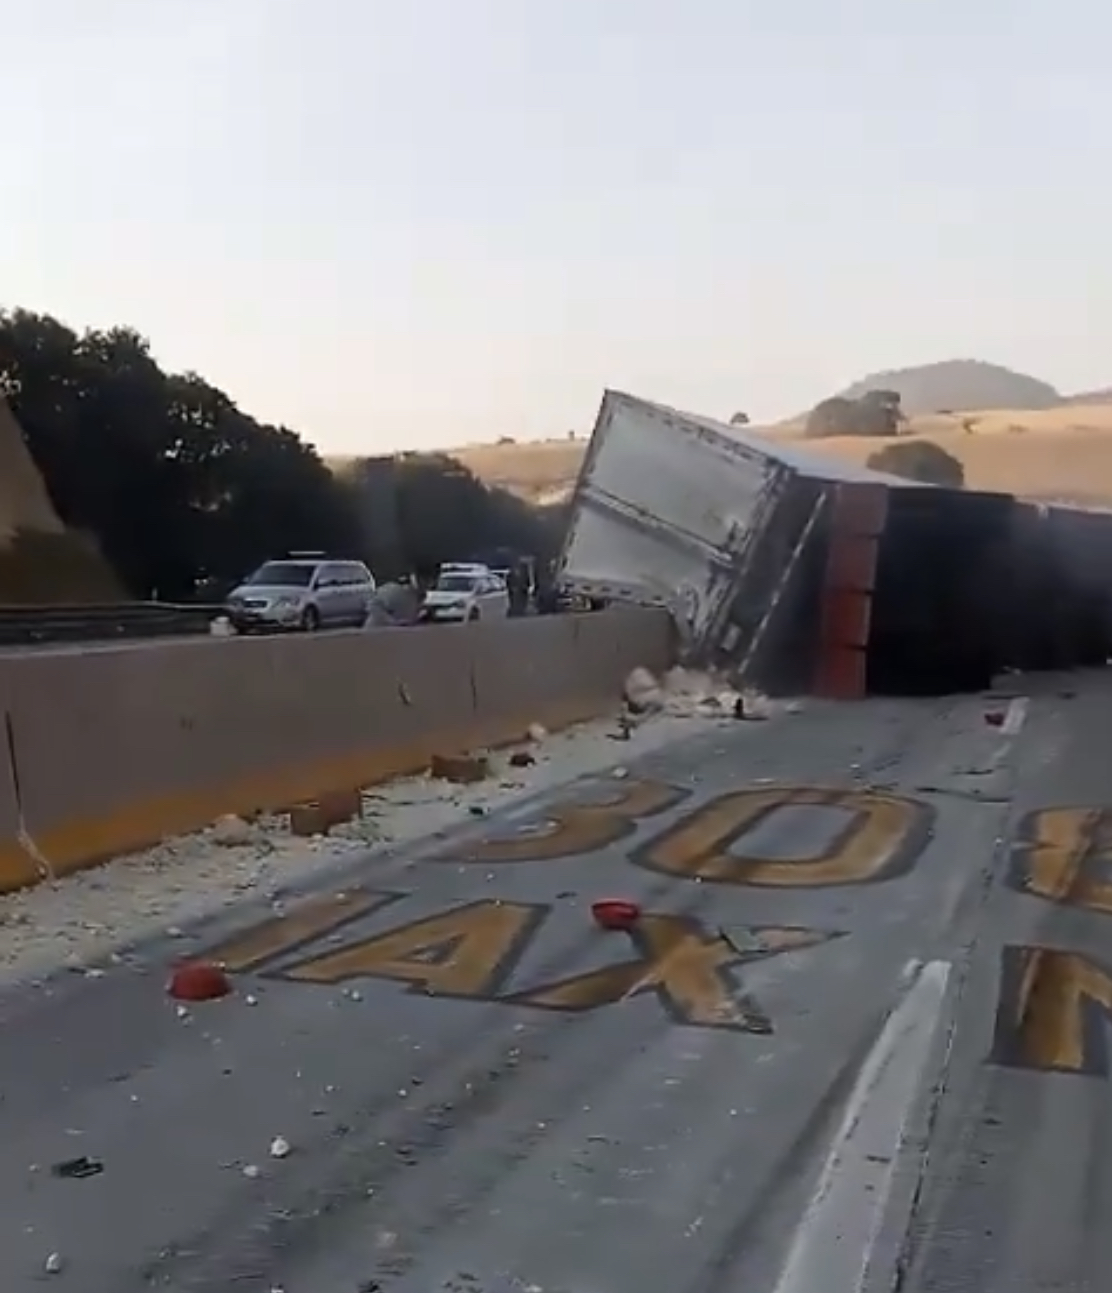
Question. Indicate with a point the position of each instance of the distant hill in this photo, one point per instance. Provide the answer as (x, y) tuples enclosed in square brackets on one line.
[(1061, 454), (1103, 396), (967, 384), (1011, 432)]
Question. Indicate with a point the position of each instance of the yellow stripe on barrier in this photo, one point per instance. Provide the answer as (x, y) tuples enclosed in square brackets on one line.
[(88, 841)]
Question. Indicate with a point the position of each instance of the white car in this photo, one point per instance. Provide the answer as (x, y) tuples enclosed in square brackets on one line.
[(466, 594)]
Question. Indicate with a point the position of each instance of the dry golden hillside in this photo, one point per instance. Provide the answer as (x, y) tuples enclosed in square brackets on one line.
[(1060, 454), (540, 470), (1063, 453)]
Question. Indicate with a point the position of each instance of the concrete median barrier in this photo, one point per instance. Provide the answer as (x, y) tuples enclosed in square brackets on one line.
[(12, 854), (116, 749)]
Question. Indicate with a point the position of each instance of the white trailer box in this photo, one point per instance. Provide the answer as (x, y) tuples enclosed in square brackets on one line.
[(665, 511)]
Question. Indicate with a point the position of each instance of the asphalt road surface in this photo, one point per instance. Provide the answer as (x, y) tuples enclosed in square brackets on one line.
[(856, 1039)]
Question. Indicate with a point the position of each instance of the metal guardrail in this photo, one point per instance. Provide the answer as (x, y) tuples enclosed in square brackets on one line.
[(45, 625)]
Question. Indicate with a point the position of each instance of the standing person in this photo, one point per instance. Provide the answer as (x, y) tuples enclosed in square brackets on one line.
[(517, 585), (394, 604), (548, 600)]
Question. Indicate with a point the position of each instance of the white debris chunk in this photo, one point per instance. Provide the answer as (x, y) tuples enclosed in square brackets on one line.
[(694, 692), (88, 915), (642, 691), (279, 1147), (230, 831)]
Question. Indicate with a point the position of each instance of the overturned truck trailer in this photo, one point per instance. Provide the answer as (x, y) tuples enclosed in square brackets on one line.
[(800, 573)]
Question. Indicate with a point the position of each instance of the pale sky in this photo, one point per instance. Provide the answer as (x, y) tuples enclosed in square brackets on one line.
[(394, 223)]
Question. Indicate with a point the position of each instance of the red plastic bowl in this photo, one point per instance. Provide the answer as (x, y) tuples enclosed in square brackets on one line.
[(615, 913), (199, 981)]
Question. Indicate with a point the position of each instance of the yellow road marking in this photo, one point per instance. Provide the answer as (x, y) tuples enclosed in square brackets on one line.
[(1059, 857), (685, 967), (1052, 1013), (309, 920), (574, 828), (465, 952), (878, 842)]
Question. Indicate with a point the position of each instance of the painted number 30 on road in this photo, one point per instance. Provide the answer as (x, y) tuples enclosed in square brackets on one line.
[(1049, 1000)]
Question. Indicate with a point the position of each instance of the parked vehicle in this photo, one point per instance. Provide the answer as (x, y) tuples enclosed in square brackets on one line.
[(304, 591), (465, 568), (466, 593)]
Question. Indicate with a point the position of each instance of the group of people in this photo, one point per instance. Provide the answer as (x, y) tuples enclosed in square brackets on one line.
[(398, 601)]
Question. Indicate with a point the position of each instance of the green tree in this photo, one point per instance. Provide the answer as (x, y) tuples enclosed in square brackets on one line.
[(180, 487), (876, 413), (421, 509), (879, 413), (832, 417), (177, 484), (921, 460)]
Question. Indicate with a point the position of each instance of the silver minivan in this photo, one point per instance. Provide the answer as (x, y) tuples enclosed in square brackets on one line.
[(302, 592)]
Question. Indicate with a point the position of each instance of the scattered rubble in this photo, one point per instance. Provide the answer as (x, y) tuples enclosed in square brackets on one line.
[(692, 693), (643, 693), (462, 769), (319, 817), (231, 831), (89, 915)]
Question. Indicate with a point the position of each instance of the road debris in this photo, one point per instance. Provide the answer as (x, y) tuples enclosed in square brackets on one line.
[(199, 981), (76, 1169), (642, 692), (231, 831), (691, 693), (462, 769), (615, 913), (88, 915), (323, 814)]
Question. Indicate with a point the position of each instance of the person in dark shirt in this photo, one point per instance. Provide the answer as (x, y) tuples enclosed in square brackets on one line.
[(517, 585)]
